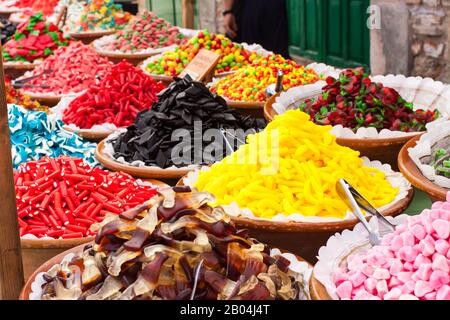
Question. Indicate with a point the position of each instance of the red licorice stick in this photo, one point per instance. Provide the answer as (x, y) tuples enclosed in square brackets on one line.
[(72, 235), (76, 228), (55, 233)]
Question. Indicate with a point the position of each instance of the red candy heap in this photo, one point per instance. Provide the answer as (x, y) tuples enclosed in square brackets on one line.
[(74, 69), (123, 92), (354, 101), (63, 197)]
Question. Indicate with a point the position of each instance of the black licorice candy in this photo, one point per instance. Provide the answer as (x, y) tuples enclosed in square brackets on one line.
[(176, 131)]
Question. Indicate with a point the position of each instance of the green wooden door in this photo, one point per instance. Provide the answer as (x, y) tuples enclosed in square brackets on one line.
[(169, 10), (330, 31)]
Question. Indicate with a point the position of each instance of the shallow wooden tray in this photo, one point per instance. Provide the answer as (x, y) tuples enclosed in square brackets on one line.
[(133, 58), (138, 172), (385, 150), (42, 98), (415, 176), (25, 293), (14, 70), (255, 109), (306, 238), (88, 37), (36, 251), (90, 135)]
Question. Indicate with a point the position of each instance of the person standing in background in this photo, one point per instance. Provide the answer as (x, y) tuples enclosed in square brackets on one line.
[(258, 21)]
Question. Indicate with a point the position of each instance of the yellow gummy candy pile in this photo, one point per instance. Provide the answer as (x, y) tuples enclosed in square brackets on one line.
[(292, 167)]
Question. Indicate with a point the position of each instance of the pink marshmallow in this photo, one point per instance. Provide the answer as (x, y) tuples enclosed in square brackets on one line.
[(382, 288), (404, 276), (436, 205), (394, 294), (364, 295), (408, 287), (357, 279), (442, 228), (339, 276), (375, 259), (381, 274), (408, 253), (344, 290), (430, 296), (368, 270), (442, 246), (396, 243), (428, 243), (396, 267), (370, 284), (424, 272), (386, 240), (408, 239), (439, 278), (394, 282), (440, 263), (418, 231), (422, 288), (421, 259), (408, 266), (443, 293), (446, 206)]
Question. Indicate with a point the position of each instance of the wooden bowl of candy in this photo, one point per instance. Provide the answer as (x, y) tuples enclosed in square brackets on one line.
[(36, 251), (385, 150), (91, 135), (88, 37), (415, 176), (138, 172), (311, 235), (69, 204), (50, 100), (15, 70), (350, 267), (133, 58), (254, 109), (161, 261), (379, 136)]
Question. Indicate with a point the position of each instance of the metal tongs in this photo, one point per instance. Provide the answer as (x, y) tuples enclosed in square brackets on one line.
[(20, 83), (275, 88), (355, 201)]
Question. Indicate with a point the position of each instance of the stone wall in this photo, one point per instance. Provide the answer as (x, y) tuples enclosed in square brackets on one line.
[(428, 27)]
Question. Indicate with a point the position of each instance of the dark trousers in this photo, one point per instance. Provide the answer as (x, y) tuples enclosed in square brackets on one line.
[(263, 22)]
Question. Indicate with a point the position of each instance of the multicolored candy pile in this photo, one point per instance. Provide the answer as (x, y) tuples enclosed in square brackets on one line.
[(172, 63), (250, 83), (354, 101), (292, 168), (34, 40), (410, 264), (145, 31), (14, 96), (123, 92), (101, 15), (72, 69), (63, 197), (35, 134)]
